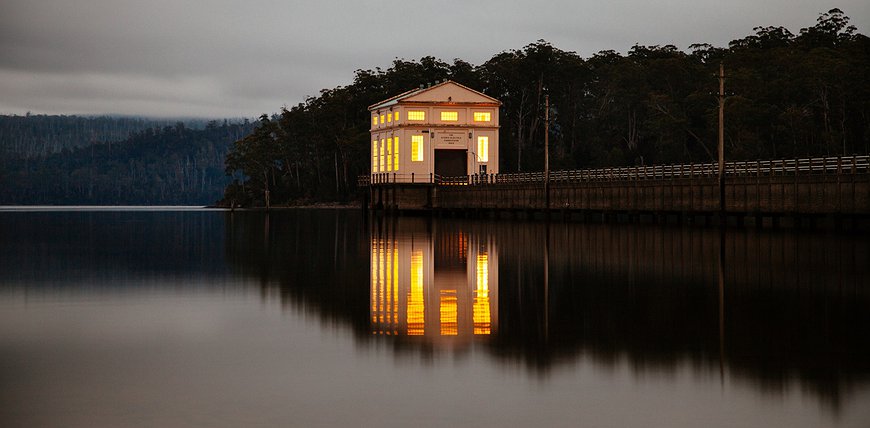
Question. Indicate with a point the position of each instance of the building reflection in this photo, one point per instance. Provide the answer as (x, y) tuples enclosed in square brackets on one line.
[(440, 287), (761, 307)]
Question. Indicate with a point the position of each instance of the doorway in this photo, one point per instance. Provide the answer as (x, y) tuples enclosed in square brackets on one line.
[(451, 163)]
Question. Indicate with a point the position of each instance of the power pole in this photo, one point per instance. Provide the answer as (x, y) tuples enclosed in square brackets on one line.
[(722, 141), (547, 149)]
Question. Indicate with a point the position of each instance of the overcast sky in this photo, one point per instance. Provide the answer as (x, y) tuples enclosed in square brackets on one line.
[(222, 58)]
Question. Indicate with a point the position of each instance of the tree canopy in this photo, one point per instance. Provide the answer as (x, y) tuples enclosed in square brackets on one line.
[(789, 95)]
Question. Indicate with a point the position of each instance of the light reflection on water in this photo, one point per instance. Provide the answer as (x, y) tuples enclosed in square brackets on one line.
[(319, 317)]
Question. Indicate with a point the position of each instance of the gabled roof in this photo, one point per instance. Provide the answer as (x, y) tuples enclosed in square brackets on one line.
[(436, 94)]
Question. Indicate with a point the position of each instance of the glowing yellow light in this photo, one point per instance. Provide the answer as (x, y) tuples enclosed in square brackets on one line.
[(396, 153), (480, 306), (375, 156), (389, 118), (416, 115), (416, 148), (416, 305), (449, 116), (482, 116), (388, 288), (381, 164), (448, 311), (395, 287), (379, 292), (374, 284), (382, 120), (389, 154), (397, 116), (483, 149), (375, 120), (483, 272)]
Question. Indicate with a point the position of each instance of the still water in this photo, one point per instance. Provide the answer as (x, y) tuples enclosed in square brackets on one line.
[(327, 318)]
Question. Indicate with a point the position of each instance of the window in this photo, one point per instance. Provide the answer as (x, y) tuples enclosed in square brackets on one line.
[(449, 116), (382, 120), (375, 120), (389, 118), (396, 153), (416, 148), (389, 154), (397, 116), (416, 115), (482, 116), (381, 163), (483, 149), (375, 156)]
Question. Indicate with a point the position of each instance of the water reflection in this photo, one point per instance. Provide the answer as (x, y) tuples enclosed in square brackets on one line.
[(546, 320), (759, 307), (439, 288)]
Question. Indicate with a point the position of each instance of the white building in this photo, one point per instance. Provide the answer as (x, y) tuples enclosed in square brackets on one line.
[(445, 129)]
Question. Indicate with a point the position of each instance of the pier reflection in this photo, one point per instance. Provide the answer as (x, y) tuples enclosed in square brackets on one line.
[(432, 285)]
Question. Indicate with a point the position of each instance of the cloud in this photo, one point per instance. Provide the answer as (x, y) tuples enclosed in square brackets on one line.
[(229, 58)]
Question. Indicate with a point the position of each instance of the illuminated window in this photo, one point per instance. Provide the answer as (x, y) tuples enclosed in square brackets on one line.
[(481, 313), (375, 120), (449, 116), (382, 120), (416, 305), (482, 116), (395, 288), (388, 286), (389, 154), (448, 310), (396, 153), (397, 116), (375, 156), (416, 115), (381, 164), (374, 288), (483, 149), (416, 148), (389, 118)]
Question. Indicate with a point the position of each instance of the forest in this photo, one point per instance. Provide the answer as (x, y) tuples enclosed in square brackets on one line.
[(169, 165), (34, 135), (788, 95)]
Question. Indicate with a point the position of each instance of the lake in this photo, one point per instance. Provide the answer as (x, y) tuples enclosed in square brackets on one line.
[(189, 317)]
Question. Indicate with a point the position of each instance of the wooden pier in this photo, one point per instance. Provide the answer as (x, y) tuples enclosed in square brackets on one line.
[(833, 186)]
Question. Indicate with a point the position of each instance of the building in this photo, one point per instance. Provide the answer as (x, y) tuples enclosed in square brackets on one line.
[(446, 129)]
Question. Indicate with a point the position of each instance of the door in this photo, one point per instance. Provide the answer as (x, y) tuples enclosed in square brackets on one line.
[(451, 163)]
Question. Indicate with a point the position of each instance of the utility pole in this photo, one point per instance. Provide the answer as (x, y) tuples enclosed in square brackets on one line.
[(722, 141), (547, 150)]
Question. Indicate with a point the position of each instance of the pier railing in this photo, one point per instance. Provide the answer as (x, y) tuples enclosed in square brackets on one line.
[(785, 167)]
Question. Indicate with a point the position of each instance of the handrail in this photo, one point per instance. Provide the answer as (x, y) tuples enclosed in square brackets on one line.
[(839, 165)]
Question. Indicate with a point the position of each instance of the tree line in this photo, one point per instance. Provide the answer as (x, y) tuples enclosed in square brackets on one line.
[(172, 165), (789, 95), (34, 135)]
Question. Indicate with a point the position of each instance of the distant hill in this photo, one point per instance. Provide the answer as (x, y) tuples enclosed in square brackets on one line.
[(38, 135), (166, 165)]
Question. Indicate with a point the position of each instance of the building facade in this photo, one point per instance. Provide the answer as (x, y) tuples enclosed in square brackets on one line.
[(446, 129)]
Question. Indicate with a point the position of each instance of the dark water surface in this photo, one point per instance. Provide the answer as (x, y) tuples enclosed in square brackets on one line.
[(326, 318)]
